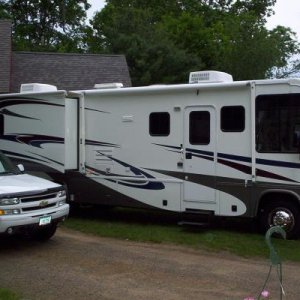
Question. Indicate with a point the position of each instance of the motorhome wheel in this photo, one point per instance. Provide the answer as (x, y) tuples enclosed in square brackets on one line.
[(281, 213)]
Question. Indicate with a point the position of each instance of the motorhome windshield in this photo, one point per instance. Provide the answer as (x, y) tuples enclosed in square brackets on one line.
[(6, 166), (278, 123)]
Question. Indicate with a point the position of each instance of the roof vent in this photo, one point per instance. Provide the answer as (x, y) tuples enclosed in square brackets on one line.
[(113, 85), (37, 88), (209, 76)]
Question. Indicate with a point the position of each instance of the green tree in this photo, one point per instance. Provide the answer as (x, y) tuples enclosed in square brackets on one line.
[(4, 14), (188, 35), (234, 38), (151, 56), (42, 25)]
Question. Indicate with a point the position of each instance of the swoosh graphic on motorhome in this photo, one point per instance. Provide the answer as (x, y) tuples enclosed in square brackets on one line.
[(6, 112), (10, 101), (231, 161), (96, 110), (104, 144), (21, 156), (194, 152), (176, 148), (142, 176), (36, 140), (247, 170), (48, 159), (32, 140)]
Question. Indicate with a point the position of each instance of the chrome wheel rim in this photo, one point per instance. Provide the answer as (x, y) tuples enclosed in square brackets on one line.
[(282, 217)]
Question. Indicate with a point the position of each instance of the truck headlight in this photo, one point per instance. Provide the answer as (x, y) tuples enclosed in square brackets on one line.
[(61, 202), (9, 212), (61, 193), (9, 201)]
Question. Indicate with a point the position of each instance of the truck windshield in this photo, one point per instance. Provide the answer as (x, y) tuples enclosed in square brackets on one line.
[(278, 123), (6, 166)]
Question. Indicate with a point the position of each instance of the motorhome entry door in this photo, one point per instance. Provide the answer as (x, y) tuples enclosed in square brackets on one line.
[(199, 161)]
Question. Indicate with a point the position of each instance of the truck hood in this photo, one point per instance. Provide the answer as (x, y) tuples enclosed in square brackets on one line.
[(24, 183)]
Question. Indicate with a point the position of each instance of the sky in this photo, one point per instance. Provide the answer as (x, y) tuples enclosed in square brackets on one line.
[(287, 13)]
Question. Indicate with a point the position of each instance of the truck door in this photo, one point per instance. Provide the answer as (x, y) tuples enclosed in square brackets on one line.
[(199, 151)]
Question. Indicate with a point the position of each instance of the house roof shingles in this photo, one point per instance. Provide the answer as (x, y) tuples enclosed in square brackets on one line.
[(68, 71)]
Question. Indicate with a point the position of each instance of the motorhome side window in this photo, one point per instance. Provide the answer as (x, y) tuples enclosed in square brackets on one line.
[(159, 124), (278, 123), (233, 118), (199, 128)]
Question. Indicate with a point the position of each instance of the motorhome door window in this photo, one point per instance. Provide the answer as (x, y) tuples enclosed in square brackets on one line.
[(199, 128)]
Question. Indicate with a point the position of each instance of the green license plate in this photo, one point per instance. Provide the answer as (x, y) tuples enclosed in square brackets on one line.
[(45, 220)]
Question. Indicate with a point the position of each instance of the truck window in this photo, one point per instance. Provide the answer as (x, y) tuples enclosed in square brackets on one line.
[(199, 128), (233, 118), (159, 124), (278, 123)]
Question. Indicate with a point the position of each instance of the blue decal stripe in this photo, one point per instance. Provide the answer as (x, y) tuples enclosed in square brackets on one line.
[(276, 163), (208, 153), (234, 157)]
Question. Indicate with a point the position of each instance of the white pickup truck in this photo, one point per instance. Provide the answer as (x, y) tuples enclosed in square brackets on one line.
[(29, 204)]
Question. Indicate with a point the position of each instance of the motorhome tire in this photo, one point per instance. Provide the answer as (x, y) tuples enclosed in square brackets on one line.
[(45, 233), (281, 213)]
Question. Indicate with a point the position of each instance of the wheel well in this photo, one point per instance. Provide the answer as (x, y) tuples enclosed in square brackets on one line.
[(277, 196)]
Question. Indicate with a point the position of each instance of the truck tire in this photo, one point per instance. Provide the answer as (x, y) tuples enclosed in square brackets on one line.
[(281, 213), (45, 233)]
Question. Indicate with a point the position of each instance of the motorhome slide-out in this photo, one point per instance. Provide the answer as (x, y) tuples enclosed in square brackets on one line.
[(213, 145)]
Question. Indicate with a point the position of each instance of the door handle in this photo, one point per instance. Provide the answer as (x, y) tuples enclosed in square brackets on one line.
[(188, 155)]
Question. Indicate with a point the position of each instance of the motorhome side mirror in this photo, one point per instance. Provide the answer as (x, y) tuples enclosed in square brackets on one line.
[(21, 167)]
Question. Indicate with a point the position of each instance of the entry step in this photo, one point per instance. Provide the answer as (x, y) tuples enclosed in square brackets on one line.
[(189, 223)]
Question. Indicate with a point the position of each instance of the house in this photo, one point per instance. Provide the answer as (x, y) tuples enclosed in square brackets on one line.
[(67, 71)]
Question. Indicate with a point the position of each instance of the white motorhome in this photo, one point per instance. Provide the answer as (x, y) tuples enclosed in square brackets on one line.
[(211, 146)]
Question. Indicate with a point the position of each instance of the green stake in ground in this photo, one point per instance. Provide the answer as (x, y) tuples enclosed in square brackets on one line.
[(274, 258)]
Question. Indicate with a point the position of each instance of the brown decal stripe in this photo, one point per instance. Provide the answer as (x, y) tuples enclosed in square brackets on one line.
[(267, 174), (239, 167)]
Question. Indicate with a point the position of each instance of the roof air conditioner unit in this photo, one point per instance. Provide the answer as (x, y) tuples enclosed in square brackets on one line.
[(112, 85), (209, 77), (37, 88)]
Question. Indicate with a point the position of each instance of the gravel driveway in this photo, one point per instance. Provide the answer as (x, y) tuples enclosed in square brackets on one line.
[(78, 266)]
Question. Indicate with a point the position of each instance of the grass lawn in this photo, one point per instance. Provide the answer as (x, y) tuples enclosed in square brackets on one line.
[(6, 294), (236, 237)]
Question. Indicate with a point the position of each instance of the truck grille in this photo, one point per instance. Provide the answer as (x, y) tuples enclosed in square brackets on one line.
[(38, 201), (39, 197), (26, 209)]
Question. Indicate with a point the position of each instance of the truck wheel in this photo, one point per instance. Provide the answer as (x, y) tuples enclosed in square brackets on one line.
[(281, 213), (45, 233)]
